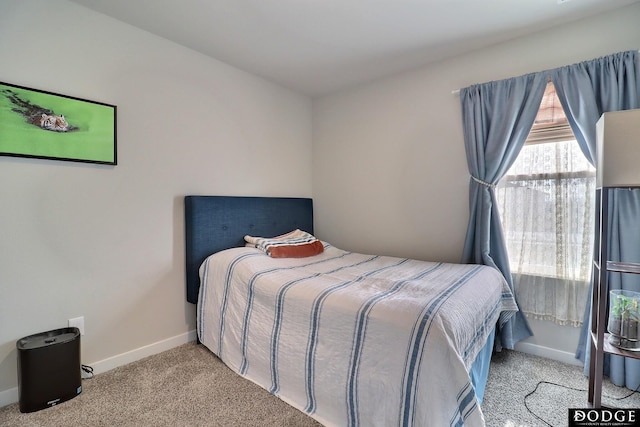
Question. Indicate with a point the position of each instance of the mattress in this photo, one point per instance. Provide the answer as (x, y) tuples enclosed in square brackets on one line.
[(354, 339)]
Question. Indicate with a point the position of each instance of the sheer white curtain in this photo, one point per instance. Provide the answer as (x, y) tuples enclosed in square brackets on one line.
[(546, 205)]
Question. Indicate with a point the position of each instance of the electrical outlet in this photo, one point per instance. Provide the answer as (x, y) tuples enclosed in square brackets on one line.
[(78, 322)]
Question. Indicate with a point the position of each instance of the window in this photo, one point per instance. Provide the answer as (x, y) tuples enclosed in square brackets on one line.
[(546, 203)]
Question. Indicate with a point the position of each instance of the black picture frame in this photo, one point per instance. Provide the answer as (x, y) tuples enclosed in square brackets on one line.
[(46, 125)]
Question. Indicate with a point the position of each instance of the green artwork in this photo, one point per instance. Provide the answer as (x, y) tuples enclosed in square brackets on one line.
[(46, 125)]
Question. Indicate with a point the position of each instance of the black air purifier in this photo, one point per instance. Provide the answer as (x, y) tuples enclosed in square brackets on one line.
[(48, 368)]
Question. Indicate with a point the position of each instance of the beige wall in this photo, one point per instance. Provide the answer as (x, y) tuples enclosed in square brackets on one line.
[(106, 242), (389, 165)]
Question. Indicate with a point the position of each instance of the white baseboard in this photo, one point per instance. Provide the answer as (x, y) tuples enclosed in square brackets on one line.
[(8, 397), (142, 352), (549, 353)]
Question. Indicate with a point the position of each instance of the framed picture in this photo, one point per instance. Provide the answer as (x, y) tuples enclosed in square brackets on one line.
[(46, 125)]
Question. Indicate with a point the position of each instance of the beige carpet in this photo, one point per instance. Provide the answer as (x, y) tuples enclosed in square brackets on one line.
[(189, 386), (513, 378), (185, 386)]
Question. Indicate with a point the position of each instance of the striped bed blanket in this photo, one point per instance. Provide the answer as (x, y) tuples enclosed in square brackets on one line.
[(353, 339)]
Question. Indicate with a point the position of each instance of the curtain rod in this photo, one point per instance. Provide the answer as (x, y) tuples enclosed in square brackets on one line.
[(456, 92)]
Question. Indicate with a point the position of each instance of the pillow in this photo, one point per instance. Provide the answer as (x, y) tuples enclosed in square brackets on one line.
[(296, 244)]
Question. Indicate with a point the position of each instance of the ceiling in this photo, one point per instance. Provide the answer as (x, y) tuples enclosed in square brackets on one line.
[(319, 46)]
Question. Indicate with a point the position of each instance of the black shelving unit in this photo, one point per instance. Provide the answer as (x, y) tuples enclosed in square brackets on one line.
[(599, 338)]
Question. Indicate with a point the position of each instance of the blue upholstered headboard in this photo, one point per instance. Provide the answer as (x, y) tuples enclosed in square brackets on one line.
[(215, 223)]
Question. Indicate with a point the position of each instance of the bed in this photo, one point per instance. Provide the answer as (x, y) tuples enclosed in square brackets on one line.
[(350, 339)]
